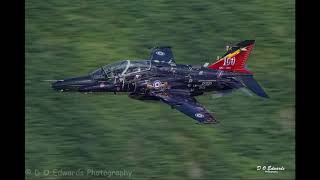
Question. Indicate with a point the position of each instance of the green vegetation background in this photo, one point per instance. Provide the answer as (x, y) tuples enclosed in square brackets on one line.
[(113, 132)]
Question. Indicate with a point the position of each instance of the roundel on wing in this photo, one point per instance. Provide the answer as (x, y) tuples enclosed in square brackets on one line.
[(160, 53), (199, 115)]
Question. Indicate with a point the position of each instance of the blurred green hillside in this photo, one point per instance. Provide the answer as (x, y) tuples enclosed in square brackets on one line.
[(72, 131)]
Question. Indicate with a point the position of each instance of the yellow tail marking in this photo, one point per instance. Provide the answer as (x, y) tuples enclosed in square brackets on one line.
[(233, 54)]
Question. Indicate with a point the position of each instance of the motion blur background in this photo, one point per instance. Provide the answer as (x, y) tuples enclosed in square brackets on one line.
[(113, 132)]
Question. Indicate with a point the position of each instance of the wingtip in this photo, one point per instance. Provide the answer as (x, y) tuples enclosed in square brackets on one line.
[(211, 122)]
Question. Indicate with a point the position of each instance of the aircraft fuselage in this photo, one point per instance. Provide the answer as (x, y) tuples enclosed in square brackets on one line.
[(159, 77)]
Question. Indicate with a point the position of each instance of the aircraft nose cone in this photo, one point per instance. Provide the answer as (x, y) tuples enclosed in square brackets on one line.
[(58, 85), (72, 84)]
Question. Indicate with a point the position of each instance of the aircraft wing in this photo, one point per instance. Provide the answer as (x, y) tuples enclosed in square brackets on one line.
[(189, 106), (162, 54)]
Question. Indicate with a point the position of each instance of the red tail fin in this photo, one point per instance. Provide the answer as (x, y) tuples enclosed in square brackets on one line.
[(235, 58)]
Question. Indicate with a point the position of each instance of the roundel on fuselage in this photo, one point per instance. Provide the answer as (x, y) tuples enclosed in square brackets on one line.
[(156, 83)]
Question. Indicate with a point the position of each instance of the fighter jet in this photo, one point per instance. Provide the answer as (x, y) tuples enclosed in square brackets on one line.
[(160, 78)]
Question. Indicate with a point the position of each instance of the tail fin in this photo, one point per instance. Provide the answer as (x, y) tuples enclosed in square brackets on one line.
[(235, 58), (253, 85)]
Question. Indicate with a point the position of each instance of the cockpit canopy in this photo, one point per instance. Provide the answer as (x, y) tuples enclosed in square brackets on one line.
[(122, 68)]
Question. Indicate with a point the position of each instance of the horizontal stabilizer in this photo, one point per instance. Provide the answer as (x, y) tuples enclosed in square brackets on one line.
[(253, 85)]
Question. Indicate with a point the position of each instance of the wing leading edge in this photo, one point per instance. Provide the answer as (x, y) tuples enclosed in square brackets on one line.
[(189, 106)]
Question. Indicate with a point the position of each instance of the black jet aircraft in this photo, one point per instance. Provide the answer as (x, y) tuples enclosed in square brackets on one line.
[(160, 78)]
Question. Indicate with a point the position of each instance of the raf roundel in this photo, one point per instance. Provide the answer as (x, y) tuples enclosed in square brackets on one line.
[(160, 53), (156, 83), (199, 115)]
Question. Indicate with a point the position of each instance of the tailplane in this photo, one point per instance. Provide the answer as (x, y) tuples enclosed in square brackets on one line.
[(250, 83)]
